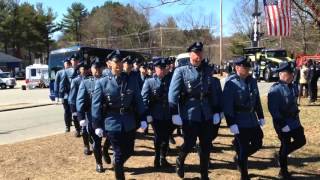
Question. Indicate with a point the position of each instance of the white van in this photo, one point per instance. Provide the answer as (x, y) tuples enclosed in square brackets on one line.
[(37, 76), (182, 59)]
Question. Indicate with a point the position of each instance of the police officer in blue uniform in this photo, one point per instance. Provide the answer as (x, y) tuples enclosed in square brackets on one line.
[(170, 69), (282, 104), (143, 71), (72, 100), (112, 111), (69, 75), (60, 95), (192, 86), (155, 97), (217, 105), (243, 112), (84, 114), (106, 71)]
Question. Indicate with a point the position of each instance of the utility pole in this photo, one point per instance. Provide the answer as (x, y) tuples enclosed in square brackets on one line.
[(255, 36), (221, 33), (161, 40)]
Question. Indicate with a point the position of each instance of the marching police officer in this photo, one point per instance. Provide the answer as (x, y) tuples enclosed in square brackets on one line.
[(155, 97), (217, 105), (192, 86), (64, 89), (84, 114), (282, 104), (143, 73), (75, 84), (72, 73), (112, 111), (106, 71), (170, 69), (59, 93), (243, 113)]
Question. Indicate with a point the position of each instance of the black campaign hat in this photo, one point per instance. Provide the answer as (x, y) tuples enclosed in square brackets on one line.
[(195, 47), (137, 60), (82, 64), (144, 65), (128, 60), (162, 62), (285, 67), (115, 56), (66, 60), (242, 61), (96, 63), (74, 57)]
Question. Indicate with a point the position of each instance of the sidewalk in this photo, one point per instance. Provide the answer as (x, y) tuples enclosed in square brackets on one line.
[(12, 99)]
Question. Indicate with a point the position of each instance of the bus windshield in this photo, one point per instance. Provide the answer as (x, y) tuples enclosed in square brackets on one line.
[(276, 54)]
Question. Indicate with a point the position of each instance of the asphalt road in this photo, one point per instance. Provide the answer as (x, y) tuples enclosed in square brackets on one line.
[(24, 124), (20, 125)]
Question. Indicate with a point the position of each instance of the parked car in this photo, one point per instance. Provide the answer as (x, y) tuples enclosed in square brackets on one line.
[(7, 81)]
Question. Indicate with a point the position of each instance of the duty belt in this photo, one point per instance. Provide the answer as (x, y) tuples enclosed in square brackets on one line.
[(121, 110), (243, 109), (200, 96)]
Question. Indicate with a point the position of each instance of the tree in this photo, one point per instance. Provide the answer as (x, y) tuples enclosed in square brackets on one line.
[(26, 29), (238, 43), (45, 25), (120, 26), (6, 7), (72, 21)]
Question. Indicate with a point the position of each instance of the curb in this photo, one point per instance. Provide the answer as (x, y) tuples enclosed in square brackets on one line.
[(26, 107)]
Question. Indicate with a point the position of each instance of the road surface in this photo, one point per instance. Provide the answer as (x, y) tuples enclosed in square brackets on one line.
[(20, 125)]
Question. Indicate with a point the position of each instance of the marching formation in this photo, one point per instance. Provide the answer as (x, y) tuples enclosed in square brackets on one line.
[(116, 100)]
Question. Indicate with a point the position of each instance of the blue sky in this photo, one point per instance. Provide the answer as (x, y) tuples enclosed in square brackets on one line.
[(196, 7)]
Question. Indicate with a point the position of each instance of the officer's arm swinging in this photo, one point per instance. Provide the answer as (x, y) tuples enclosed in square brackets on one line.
[(73, 96), (145, 93), (174, 91), (228, 103), (56, 84), (216, 96), (81, 97), (96, 106), (258, 107), (274, 98)]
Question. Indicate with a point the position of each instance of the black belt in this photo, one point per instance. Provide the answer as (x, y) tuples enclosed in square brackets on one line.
[(243, 109), (121, 110), (196, 97)]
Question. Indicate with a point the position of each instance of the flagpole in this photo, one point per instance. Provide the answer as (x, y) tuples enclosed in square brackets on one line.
[(280, 41), (221, 34)]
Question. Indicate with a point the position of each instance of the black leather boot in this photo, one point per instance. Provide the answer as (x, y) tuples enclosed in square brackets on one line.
[(156, 162), (244, 172), (99, 168), (105, 152), (76, 126), (163, 154), (284, 174), (204, 161), (180, 164), (118, 171)]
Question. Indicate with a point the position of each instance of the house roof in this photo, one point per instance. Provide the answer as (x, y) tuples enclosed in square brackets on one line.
[(6, 58)]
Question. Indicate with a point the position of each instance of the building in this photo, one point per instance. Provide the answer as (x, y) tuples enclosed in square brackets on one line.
[(9, 63)]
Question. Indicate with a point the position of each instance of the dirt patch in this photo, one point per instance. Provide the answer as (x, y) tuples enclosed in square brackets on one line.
[(61, 156)]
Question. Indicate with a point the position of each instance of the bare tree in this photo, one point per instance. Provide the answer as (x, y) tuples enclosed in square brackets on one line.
[(165, 2)]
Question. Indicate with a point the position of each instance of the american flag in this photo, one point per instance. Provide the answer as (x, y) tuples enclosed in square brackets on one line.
[(278, 17)]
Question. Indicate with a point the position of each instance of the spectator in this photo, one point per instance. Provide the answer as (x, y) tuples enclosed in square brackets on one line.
[(303, 81)]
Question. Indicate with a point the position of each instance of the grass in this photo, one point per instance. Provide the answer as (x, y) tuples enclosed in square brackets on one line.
[(61, 156)]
